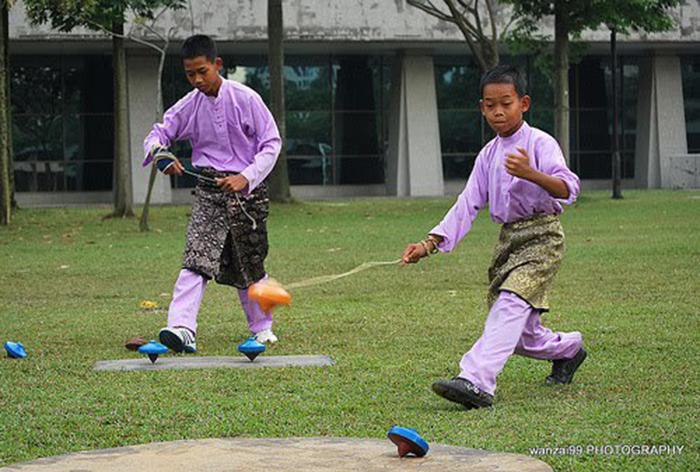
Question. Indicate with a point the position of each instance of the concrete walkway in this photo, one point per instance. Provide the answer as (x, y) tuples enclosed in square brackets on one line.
[(282, 455), (213, 362)]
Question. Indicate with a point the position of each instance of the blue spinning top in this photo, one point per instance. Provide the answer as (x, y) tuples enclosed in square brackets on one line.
[(153, 350), (15, 350), (251, 348), (408, 441)]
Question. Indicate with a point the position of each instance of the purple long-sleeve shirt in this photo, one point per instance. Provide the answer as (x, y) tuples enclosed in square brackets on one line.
[(232, 132), (510, 198)]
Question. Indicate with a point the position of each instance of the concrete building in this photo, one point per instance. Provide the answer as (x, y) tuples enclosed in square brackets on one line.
[(382, 99)]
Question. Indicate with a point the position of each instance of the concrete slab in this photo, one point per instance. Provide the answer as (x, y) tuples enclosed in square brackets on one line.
[(213, 362), (282, 455)]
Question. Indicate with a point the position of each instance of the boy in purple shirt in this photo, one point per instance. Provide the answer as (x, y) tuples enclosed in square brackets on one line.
[(523, 177), (235, 144)]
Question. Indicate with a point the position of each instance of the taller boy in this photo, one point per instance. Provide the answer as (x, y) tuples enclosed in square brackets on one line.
[(235, 141)]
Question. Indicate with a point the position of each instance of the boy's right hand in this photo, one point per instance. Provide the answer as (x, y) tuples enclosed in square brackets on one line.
[(175, 169), (162, 157), (414, 253)]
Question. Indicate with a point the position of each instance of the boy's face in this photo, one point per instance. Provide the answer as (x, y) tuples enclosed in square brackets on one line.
[(503, 108), (203, 74)]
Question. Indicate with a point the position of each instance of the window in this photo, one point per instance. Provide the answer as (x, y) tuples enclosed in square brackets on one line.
[(690, 66), (590, 85), (335, 114), (62, 122)]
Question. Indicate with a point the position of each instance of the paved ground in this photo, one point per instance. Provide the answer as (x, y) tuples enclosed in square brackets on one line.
[(282, 455), (211, 362)]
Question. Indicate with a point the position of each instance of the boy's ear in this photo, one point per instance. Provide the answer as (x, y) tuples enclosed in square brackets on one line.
[(525, 103), (218, 63), (481, 106)]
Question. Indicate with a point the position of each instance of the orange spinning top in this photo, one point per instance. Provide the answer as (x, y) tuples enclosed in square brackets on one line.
[(269, 294)]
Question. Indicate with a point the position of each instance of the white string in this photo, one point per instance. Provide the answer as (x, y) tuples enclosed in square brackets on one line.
[(329, 278)]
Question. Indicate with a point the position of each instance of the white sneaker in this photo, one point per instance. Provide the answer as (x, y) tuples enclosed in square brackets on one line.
[(266, 336), (178, 339)]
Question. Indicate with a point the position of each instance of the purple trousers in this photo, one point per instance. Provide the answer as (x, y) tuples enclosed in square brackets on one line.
[(187, 297), (513, 326)]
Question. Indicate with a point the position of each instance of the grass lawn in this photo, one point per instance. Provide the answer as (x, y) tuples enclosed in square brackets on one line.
[(71, 284)]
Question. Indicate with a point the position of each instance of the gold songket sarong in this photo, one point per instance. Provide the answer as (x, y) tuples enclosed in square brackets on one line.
[(526, 259)]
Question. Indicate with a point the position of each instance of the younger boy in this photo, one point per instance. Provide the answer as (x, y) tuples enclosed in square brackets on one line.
[(523, 177), (235, 141)]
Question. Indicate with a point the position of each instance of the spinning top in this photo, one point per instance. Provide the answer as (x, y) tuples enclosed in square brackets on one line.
[(408, 441), (269, 294), (15, 350), (153, 349), (251, 348)]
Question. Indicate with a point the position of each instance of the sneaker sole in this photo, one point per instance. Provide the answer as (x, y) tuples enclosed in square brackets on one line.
[(458, 397), (555, 381), (171, 341)]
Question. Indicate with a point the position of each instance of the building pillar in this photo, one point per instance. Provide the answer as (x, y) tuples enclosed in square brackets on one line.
[(414, 164), (143, 74), (661, 131)]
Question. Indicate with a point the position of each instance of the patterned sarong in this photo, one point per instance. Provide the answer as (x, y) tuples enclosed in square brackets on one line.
[(222, 242), (526, 259)]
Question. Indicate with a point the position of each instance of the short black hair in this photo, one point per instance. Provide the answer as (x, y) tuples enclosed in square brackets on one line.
[(504, 75), (199, 45)]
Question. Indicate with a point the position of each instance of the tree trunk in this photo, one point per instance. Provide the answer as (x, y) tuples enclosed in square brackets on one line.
[(5, 125), (123, 195), (561, 77), (143, 223), (279, 178), (616, 162)]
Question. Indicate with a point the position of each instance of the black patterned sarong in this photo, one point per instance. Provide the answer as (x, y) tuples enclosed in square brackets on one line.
[(526, 259), (223, 243)]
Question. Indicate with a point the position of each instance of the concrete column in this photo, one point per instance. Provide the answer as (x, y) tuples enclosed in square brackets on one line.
[(661, 131), (414, 166), (143, 74)]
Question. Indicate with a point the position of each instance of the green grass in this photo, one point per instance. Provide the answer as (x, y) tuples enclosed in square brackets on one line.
[(71, 284)]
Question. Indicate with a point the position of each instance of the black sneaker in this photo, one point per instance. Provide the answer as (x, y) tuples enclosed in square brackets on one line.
[(563, 370), (178, 339), (462, 391)]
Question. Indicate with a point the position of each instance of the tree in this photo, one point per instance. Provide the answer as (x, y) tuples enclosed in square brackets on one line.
[(468, 15), (162, 50), (6, 167), (108, 16), (279, 178), (571, 18)]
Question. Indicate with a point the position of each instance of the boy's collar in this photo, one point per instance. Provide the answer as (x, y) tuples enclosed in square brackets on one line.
[(523, 128)]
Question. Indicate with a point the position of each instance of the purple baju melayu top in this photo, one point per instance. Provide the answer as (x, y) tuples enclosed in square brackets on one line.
[(510, 198), (232, 132)]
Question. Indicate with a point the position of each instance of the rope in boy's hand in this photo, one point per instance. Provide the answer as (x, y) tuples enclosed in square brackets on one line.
[(417, 251), (329, 278)]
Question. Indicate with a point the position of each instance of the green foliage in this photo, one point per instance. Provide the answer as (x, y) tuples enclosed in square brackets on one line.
[(626, 15), (65, 15)]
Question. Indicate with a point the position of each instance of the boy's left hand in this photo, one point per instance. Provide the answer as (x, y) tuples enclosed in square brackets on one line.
[(519, 164), (233, 183)]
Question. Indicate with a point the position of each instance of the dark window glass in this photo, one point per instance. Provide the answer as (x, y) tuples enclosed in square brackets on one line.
[(37, 137), (691, 96), (307, 88), (592, 116), (35, 83), (62, 118), (460, 131), (336, 113), (97, 176), (458, 165)]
